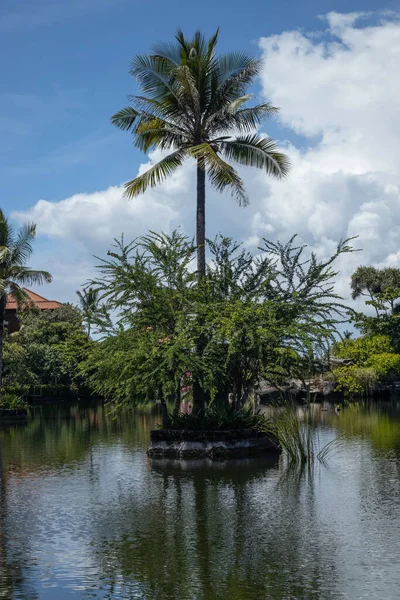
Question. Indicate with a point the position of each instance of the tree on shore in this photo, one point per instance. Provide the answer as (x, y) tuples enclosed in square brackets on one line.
[(15, 250)]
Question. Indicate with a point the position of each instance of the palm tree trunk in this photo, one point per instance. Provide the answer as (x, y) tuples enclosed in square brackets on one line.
[(2, 314), (201, 219), (198, 392)]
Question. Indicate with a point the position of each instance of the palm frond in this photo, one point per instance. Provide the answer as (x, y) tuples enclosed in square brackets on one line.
[(155, 175), (5, 254), (186, 89), (168, 51), (125, 119), (248, 119), (212, 42), (256, 151), (152, 73), (234, 74), (220, 173), (245, 120), (27, 276), (6, 231), (155, 134), (165, 109), (23, 244), (20, 296)]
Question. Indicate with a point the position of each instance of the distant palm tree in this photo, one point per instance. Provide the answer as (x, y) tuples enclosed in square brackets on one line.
[(15, 250), (89, 304), (194, 105), (347, 335)]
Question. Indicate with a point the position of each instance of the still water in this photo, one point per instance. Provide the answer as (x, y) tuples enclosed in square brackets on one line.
[(85, 514)]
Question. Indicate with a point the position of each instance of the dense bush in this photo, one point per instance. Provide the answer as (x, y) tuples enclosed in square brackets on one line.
[(267, 316), (46, 351), (12, 401), (374, 360)]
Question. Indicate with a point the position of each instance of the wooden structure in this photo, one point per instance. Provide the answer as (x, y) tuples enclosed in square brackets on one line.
[(11, 317)]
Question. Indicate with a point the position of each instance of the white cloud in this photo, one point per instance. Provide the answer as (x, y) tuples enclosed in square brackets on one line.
[(340, 91)]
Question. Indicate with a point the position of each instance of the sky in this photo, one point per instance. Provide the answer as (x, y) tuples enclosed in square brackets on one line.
[(330, 65)]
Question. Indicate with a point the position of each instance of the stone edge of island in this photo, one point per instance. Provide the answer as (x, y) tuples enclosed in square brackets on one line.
[(187, 443)]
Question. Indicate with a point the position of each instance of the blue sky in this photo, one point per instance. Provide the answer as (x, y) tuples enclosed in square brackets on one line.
[(66, 73), (62, 164)]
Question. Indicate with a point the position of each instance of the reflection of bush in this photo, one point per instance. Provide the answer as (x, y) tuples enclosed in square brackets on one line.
[(58, 435), (381, 428)]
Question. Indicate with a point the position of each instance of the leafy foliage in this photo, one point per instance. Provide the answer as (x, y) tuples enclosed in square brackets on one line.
[(361, 349), (11, 401), (373, 358), (47, 350), (192, 100), (94, 313), (265, 316), (219, 419), (381, 287), (15, 250)]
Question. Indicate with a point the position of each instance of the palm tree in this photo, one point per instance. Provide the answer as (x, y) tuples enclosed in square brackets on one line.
[(15, 249), (192, 103), (89, 304)]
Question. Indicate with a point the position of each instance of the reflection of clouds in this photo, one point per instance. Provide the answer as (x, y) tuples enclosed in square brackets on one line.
[(97, 516)]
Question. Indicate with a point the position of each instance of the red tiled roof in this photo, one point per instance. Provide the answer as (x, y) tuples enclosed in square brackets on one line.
[(40, 302)]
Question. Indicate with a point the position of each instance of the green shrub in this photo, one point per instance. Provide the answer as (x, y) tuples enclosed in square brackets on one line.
[(362, 348), (384, 364), (218, 419), (16, 389), (354, 380), (12, 402), (374, 361)]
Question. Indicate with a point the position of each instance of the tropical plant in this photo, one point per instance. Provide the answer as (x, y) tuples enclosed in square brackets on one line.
[(193, 103), (261, 317), (89, 303), (219, 419), (381, 286), (373, 360), (46, 350), (12, 402), (293, 428), (15, 250)]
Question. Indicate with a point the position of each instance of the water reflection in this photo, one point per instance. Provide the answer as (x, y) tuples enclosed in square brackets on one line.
[(85, 514)]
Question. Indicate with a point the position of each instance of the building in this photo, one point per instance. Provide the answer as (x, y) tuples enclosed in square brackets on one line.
[(11, 319)]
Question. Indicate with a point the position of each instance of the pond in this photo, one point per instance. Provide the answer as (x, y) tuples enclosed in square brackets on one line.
[(85, 514)]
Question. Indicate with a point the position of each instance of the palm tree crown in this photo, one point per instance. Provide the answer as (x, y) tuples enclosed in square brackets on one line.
[(89, 303), (192, 102), (15, 250)]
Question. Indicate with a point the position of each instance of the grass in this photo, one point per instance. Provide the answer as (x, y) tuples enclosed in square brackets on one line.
[(297, 434)]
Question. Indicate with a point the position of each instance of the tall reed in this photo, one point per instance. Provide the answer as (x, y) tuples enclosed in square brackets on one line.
[(294, 428)]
